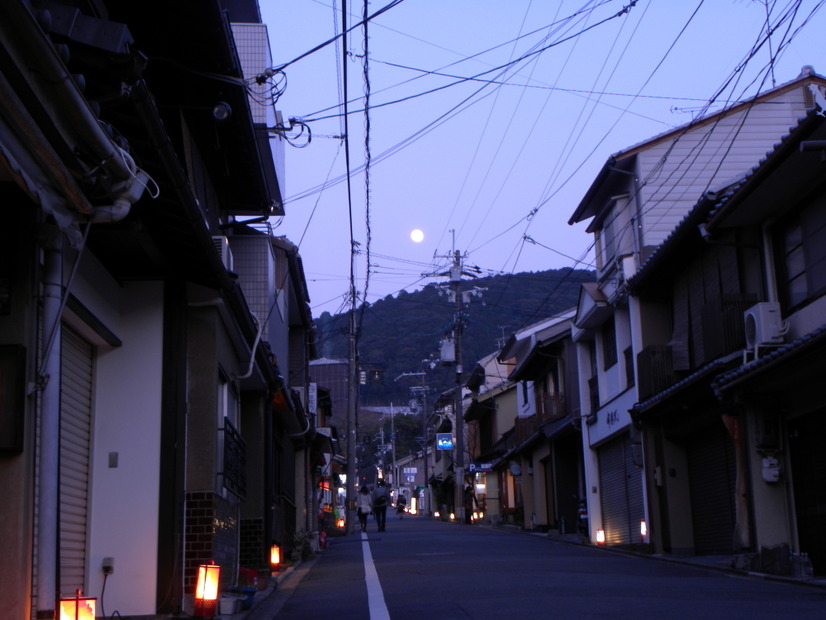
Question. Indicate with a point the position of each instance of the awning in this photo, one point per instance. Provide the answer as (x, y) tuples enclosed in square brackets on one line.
[(593, 308)]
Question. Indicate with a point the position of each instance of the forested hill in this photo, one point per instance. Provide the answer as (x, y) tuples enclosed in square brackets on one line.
[(398, 333)]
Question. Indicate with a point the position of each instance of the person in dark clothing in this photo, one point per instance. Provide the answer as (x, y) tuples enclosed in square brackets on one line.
[(380, 500), (470, 502), (401, 504)]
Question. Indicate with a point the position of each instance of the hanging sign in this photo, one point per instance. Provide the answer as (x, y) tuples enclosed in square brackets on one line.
[(444, 441)]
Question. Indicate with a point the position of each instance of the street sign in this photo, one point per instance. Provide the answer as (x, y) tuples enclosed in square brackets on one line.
[(477, 468), (444, 441)]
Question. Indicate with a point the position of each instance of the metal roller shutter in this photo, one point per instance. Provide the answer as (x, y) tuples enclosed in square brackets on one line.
[(711, 474), (621, 492), (75, 447)]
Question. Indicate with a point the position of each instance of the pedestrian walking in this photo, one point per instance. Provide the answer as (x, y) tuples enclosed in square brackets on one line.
[(364, 506), (380, 500), (470, 502), (401, 504)]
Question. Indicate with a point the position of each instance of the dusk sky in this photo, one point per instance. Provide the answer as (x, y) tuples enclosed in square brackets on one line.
[(495, 165)]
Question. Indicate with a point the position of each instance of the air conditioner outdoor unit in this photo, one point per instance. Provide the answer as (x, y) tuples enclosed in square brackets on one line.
[(222, 246), (763, 324)]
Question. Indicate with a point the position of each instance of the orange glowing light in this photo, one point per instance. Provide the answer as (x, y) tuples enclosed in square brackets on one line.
[(275, 557), (77, 608), (206, 590)]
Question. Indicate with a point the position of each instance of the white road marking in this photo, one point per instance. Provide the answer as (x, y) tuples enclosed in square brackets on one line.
[(375, 596)]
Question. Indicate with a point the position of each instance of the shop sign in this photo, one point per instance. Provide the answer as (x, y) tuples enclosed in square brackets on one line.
[(478, 468), (444, 441)]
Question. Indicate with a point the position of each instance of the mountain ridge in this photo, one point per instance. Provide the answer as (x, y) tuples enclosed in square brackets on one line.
[(398, 334)]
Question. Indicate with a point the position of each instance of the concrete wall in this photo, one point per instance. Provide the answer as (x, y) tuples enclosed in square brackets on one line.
[(126, 459)]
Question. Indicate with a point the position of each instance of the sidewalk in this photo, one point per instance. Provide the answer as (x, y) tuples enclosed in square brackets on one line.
[(276, 581), (731, 563)]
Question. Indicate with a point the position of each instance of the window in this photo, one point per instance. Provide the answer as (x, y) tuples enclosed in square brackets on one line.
[(802, 254), (605, 238), (628, 354), (609, 344)]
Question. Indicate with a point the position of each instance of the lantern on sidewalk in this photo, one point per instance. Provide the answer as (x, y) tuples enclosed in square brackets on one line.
[(206, 590), (600, 536), (275, 558), (77, 608)]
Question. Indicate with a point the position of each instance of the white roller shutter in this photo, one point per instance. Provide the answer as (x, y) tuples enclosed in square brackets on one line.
[(75, 448), (622, 499)]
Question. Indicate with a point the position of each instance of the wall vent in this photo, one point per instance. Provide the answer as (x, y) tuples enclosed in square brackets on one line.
[(222, 247)]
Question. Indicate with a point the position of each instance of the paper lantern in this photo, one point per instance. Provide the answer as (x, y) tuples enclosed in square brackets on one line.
[(206, 590), (275, 557), (77, 608)]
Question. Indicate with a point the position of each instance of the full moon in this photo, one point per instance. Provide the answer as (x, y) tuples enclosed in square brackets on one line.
[(417, 235)]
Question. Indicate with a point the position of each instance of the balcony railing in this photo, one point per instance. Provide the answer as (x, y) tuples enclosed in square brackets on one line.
[(524, 428), (655, 370), (551, 407), (723, 325)]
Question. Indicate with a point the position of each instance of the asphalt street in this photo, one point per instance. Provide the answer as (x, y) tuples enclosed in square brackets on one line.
[(428, 569)]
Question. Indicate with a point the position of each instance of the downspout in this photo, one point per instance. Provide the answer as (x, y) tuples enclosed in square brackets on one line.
[(636, 221), (768, 262), (49, 444), (43, 59)]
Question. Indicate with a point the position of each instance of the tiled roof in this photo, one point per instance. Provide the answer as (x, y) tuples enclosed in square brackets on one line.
[(814, 337), (690, 379)]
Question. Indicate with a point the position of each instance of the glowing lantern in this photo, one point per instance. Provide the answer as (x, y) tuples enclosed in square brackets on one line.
[(436, 514), (600, 536), (643, 530), (77, 608), (275, 557), (206, 590), (452, 516), (340, 523)]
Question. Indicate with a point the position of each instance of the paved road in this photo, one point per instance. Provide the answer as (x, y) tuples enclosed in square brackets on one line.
[(426, 569)]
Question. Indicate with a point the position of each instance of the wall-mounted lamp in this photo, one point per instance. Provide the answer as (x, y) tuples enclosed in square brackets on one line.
[(221, 111), (206, 590), (77, 608), (600, 536)]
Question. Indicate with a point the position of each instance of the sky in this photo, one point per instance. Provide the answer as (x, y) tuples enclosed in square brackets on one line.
[(489, 120)]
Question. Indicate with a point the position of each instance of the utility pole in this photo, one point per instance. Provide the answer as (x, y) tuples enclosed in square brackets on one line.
[(352, 421), (458, 324), (459, 299)]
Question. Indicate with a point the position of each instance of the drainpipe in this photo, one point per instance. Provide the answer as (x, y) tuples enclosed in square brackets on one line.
[(636, 220), (40, 55), (768, 262), (49, 444)]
